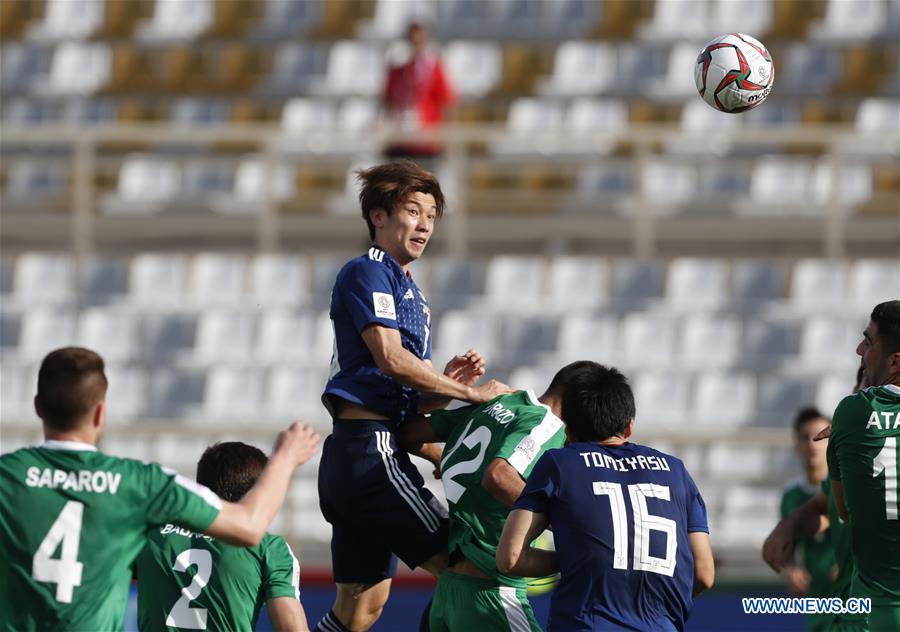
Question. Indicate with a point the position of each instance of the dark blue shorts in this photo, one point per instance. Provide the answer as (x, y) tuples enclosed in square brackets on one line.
[(377, 504)]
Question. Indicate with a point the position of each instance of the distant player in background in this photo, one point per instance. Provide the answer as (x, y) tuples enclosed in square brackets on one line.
[(230, 584), (632, 541), (490, 451), (819, 515), (863, 458), (381, 376), (814, 575), (73, 520)]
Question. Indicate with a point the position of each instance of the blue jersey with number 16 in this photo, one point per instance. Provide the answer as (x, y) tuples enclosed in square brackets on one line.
[(621, 517)]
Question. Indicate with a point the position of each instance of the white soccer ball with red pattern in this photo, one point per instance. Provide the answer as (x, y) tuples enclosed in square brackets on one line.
[(734, 73)]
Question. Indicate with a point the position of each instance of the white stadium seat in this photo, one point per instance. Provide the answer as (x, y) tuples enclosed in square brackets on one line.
[(302, 114), (874, 281), (696, 283), (113, 333), (709, 341), (126, 399), (224, 337), (473, 68), (648, 340), (392, 18), (661, 400), (515, 283), (575, 283), (77, 69), (146, 185), (233, 393), (677, 82), (43, 330), (851, 21), (830, 342), (279, 280), (291, 393), (677, 19), (851, 183), (580, 68), (42, 278), (832, 388), (818, 284), (353, 68), (586, 337), (741, 17), (459, 330), (253, 181), (723, 401), (741, 462), (157, 280), (285, 337), (217, 279), (68, 19), (532, 125), (177, 20)]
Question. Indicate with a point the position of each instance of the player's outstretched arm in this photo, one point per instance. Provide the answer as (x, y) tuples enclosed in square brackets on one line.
[(394, 361), (704, 565), (245, 522), (287, 615), (466, 369), (837, 488), (502, 481), (806, 520), (514, 553)]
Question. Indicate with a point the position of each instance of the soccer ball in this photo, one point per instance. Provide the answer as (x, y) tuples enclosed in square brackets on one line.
[(734, 73)]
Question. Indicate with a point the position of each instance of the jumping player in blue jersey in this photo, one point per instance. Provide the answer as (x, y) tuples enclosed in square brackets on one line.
[(381, 376), (632, 541)]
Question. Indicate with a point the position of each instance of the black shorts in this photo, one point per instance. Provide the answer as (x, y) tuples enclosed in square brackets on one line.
[(377, 504)]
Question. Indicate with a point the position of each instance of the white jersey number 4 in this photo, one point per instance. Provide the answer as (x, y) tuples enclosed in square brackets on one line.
[(65, 572)]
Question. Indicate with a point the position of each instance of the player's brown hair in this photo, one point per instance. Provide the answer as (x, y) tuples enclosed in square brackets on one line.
[(886, 317), (387, 186), (230, 469), (71, 381)]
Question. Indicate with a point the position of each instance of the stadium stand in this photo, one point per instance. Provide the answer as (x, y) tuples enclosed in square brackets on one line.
[(176, 182)]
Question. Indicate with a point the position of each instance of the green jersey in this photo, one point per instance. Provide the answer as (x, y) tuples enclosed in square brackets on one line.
[(515, 427), (225, 589), (72, 521), (863, 455), (842, 546), (818, 556)]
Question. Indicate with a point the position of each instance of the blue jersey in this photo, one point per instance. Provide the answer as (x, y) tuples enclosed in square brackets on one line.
[(621, 517), (374, 290)]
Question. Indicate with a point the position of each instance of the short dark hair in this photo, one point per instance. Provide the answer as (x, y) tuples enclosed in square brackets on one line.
[(71, 381), (806, 415), (886, 317), (230, 469), (597, 402), (387, 186)]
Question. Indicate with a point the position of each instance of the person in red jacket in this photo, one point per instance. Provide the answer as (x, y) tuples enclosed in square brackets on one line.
[(416, 94)]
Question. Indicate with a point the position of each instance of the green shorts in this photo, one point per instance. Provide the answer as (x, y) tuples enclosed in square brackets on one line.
[(463, 603), (843, 623)]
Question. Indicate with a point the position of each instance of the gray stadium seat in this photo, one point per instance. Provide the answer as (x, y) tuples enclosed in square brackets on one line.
[(322, 346), (768, 342), (302, 114), (567, 19), (165, 337), (676, 82), (533, 378), (781, 396), (532, 125), (175, 394), (294, 68), (601, 187), (585, 118), (852, 181), (459, 330), (10, 326), (17, 394), (815, 67), (250, 182), (284, 20), (744, 17), (180, 451), (706, 130), (832, 388), (524, 340), (353, 68), (102, 280), (21, 67), (755, 282), (391, 18), (636, 282), (778, 185), (454, 282), (850, 21), (89, 111), (741, 462), (461, 18), (677, 19), (34, 185), (291, 393), (192, 111)]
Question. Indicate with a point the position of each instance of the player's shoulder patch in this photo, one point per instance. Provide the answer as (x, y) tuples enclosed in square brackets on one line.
[(383, 305)]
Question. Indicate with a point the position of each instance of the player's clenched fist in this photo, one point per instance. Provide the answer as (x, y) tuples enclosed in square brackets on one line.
[(299, 442)]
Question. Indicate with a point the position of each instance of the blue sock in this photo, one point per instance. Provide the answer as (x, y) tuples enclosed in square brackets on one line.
[(330, 623)]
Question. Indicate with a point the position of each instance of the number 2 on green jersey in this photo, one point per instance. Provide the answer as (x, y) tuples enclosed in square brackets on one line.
[(66, 571), (182, 615), (481, 438), (886, 461)]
